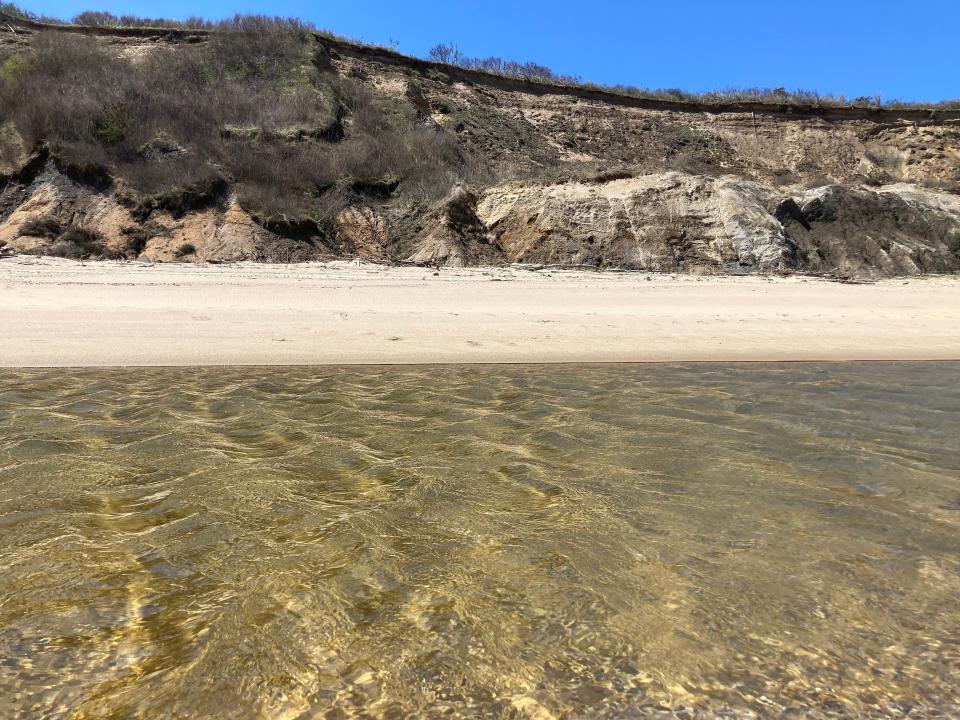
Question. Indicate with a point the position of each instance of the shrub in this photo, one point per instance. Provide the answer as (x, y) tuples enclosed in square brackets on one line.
[(86, 240), (265, 200), (186, 249), (259, 47), (12, 152), (60, 88), (177, 186), (17, 11), (180, 200), (155, 176), (280, 179), (47, 226), (13, 67), (449, 54), (91, 18), (446, 53), (113, 124), (96, 18), (78, 243), (137, 236), (190, 23), (137, 239), (84, 162), (73, 58)]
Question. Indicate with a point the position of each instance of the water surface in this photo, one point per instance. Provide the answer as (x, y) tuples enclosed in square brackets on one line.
[(618, 541)]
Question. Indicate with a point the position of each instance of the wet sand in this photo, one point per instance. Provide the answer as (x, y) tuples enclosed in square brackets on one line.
[(65, 313)]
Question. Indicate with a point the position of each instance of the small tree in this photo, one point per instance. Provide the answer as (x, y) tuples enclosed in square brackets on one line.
[(96, 18), (446, 53)]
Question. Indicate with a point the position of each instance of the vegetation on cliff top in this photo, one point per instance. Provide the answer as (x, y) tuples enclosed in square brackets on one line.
[(449, 54)]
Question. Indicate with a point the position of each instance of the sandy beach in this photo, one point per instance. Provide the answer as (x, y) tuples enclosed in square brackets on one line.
[(65, 313)]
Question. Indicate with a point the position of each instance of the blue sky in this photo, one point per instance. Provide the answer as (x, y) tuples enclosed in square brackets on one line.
[(899, 49)]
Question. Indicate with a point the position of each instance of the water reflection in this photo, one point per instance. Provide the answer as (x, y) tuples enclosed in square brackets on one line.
[(501, 541)]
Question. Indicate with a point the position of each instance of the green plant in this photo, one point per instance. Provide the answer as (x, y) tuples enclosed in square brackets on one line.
[(13, 67), (186, 249), (113, 124)]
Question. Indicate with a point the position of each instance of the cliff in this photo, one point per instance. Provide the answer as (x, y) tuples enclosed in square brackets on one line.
[(281, 144)]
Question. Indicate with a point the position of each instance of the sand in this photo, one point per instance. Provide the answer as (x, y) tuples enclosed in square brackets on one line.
[(65, 313)]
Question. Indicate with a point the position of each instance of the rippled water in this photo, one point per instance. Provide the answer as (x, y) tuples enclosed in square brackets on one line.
[(499, 541)]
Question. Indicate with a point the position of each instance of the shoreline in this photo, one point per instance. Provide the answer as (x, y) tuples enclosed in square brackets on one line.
[(63, 313)]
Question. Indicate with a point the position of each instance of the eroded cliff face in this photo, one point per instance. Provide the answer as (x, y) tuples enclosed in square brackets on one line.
[(665, 222), (556, 178), (695, 223), (53, 213)]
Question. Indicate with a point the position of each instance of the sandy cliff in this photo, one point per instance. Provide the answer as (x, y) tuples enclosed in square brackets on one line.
[(569, 177)]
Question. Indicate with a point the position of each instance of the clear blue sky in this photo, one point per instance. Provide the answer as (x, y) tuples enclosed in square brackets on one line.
[(906, 49)]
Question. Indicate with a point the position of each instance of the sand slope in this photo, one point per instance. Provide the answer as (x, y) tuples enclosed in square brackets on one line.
[(63, 313)]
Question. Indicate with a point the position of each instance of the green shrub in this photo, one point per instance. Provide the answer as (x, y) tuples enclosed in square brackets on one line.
[(186, 249), (13, 67), (113, 124)]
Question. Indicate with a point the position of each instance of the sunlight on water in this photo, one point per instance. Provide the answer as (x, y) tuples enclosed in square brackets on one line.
[(624, 541)]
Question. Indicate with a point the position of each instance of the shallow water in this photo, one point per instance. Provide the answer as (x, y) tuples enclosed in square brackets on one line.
[(499, 541)]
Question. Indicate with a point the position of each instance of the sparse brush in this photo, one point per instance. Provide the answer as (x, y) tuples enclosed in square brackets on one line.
[(259, 47), (96, 18), (137, 238), (449, 54), (18, 12), (48, 227), (79, 243)]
